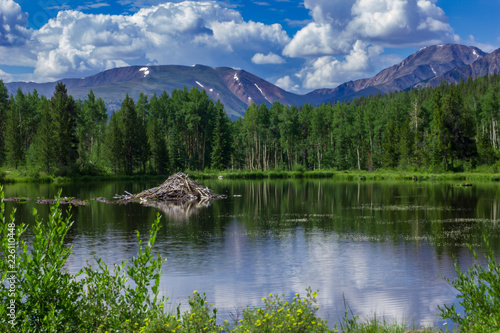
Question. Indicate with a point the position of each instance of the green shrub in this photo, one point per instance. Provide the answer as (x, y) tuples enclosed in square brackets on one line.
[(299, 168), (279, 315), (479, 291), (46, 297), (49, 299)]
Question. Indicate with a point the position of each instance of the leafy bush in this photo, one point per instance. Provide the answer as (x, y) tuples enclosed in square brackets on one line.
[(279, 315), (49, 299), (299, 168), (479, 292)]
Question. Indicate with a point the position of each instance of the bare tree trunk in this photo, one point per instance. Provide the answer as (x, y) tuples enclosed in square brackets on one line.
[(359, 159)]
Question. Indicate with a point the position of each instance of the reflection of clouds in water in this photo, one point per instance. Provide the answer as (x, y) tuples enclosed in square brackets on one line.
[(113, 247), (399, 281)]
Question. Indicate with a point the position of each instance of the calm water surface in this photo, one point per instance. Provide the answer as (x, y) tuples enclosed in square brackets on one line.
[(381, 246)]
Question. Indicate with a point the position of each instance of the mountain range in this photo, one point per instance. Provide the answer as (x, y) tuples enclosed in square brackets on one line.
[(237, 89)]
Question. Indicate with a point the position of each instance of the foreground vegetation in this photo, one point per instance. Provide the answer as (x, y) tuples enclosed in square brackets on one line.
[(450, 128), (38, 295)]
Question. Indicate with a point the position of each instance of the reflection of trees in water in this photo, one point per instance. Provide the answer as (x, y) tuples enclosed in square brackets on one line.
[(178, 211), (438, 213), (376, 211)]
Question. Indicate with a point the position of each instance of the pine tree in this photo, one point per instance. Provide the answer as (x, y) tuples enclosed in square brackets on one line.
[(158, 146), (453, 129), (221, 144), (45, 138), (390, 145), (113, 148), (129, 127), (66, 142), (486, 153), (406, 144), (91, 120), (175, 150), (14, 144), (142, 109)]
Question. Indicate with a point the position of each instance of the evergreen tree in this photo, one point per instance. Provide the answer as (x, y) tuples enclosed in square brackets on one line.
[(158, 145), (390, 145), (406, 144), (44, 140), (14, 144), (175, 150), (338, 139), (66, 143), (91, 120), (130, 130), (143, 152), (113, 148), (453, 130), (486, 153), (304, 135), (289, 127), (33, 110), (221, 146), (274, 133), (320, 130)]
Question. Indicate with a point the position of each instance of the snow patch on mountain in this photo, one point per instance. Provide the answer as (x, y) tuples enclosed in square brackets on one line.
[(435, 74), (255, 84), (145, 70)]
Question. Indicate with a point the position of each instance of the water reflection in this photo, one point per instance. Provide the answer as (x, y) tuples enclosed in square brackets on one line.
[(382, 246), (178, 211)]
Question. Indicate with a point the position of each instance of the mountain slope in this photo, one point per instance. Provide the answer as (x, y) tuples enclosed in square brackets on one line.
[(423, 65), (487, 65), (237, 89)]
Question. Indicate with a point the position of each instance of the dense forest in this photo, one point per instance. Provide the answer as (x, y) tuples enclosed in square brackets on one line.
[(447, 128)]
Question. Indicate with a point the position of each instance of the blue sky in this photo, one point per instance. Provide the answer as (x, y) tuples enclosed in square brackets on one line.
[(298, 45)]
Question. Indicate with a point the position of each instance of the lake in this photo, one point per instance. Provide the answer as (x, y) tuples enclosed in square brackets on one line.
[(380, 246)]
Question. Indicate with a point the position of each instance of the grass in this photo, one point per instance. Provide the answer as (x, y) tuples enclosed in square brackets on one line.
[(23, 176), (351, 175), (381, 325), (20, 176)]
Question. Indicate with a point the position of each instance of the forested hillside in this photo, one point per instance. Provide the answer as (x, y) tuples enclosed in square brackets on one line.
[(450, 127)]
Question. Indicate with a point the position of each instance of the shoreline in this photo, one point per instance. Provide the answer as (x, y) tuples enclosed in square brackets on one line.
[(9, 176)]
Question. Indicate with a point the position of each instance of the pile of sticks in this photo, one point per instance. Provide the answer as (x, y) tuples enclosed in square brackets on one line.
[(178, 187)]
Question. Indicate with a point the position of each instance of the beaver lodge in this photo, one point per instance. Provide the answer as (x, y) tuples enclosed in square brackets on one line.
[(179, 188)]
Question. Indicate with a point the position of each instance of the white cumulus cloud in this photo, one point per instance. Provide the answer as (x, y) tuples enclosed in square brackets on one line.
[(6, 77), (287, 83), (13, 24), (329, 71), (346, 38), (338, 24), (270, 58), (76, 44)]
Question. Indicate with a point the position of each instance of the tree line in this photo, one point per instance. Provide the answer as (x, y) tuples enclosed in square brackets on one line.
[(450, 127)]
